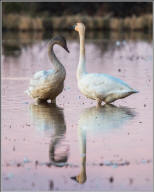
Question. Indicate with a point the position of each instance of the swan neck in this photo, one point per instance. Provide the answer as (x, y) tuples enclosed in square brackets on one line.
[(54, 60), (81, 67), (82, 44)]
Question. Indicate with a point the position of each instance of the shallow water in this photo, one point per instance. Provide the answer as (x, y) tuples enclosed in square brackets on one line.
[(74, 145)]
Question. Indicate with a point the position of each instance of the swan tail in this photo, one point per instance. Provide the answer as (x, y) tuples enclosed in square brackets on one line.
[(27, 92), (134, 91)]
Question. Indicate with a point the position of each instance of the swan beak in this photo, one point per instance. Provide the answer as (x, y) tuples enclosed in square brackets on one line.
[(74, 178), (74, 26), (66, 49)]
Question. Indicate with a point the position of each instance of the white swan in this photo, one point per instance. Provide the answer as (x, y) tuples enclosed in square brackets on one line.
[(49, 84), (100, 87)]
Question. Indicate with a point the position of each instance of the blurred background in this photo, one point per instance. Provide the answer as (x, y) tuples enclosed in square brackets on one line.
[(27, 22), (82, 8), (42, 16)]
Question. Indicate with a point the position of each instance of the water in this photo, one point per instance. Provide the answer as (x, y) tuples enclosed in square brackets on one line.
[(74, 145)]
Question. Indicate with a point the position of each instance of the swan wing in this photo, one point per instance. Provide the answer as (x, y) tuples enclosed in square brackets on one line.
[(39, 74), (39, 81), (40, 77), (102, 84)]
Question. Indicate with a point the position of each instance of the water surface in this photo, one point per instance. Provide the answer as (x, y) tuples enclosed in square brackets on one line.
[(73, 145)]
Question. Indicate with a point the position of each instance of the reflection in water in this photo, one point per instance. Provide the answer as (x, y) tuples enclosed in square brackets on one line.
[(100, 120), (11, 49), (13, 42), (49, 119)]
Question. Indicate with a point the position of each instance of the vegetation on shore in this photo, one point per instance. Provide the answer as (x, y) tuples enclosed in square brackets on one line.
[(48, 9), (28, 23), (42, 16)]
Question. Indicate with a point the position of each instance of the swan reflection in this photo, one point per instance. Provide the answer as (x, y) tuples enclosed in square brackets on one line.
[(49, 119), (104, 119)]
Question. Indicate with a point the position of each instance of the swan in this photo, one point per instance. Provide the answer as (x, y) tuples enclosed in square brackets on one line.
[(99, 121), (97, 86), (49, 84)]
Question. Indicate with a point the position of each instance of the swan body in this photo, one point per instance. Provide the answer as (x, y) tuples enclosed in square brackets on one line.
[(49, 84), (97, 86), (103, 87)]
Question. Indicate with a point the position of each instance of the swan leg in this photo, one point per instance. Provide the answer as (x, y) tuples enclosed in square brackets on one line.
[(98, 102), (53, 100), (38, 101)]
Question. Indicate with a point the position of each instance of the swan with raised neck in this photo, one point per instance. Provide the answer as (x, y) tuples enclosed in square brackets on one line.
[(99, 87), (81, 70)]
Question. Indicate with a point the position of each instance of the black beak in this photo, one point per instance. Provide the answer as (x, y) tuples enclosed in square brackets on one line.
[(74, 26), (66, 49), (74, 178)]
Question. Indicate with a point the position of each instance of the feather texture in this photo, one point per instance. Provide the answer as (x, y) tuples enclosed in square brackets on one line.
[(49, 84)]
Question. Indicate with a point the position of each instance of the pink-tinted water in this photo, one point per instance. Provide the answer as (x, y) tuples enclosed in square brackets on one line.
[(44, 146)]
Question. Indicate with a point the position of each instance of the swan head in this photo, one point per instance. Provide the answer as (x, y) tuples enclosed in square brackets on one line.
[(81, 178), (80, 27), (60, 40)]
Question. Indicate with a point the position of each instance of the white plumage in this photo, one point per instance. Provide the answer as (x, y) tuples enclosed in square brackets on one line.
[(103, 87), (100, 87)]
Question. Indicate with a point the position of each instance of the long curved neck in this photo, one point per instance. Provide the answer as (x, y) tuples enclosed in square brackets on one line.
[(54, 60), (81, 70)]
